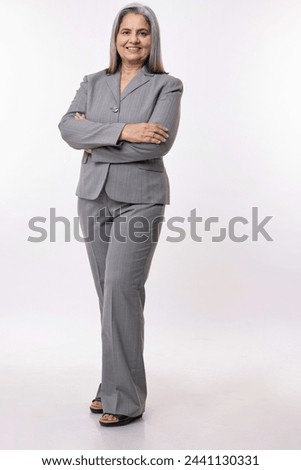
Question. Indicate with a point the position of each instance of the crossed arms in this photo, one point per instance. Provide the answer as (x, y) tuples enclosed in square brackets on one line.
[(123, 142)]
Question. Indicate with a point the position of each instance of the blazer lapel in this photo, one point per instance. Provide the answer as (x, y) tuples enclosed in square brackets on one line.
[(140, 79), (113, 82)]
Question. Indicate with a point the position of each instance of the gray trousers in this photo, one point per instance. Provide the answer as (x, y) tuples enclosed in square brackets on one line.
[(121, 240)]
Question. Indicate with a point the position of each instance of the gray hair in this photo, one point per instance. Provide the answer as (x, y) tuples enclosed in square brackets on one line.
[(154, 61)]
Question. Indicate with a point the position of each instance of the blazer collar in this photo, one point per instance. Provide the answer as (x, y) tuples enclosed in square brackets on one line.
[(139, 80)]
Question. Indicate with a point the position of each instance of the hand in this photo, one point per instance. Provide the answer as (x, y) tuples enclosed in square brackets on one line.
[(144, 132), (79, 117)]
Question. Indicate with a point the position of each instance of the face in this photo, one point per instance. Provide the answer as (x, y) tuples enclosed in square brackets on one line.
[(134, 39)]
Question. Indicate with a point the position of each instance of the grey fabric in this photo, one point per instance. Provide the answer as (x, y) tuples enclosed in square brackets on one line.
[(120, 270), (126, 180), (130, 172)]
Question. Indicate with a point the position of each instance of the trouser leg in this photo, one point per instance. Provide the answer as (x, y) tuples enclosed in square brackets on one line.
[(93, 225), (120, 268), (128, 262)]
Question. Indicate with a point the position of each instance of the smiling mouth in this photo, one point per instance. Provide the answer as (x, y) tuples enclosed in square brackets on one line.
[(133, 48)]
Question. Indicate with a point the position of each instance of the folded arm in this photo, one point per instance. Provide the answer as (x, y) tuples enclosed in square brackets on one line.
[(121, 142), (166, 113), (82, 134)]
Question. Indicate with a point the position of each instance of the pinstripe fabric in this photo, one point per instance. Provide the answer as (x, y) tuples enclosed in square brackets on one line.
[(130, 172), (125, 180), (120, 270)]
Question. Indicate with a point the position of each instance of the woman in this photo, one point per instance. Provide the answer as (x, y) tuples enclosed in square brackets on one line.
[(126, 119)]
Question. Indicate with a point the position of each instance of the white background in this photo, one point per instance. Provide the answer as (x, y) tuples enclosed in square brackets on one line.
[(222, 343)]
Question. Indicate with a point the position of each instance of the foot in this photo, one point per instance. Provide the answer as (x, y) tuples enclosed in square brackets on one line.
[(96, 406), (110, 419)]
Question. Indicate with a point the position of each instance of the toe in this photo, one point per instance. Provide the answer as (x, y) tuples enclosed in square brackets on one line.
[(109, 418)]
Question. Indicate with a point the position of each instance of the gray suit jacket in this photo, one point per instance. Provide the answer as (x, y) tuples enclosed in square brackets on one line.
[(130, 172)]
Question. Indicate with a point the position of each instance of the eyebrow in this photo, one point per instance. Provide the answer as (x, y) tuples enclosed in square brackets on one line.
[(129, 29)]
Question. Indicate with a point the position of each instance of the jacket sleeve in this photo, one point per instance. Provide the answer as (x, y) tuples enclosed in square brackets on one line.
[(166, 112), (83, 134)]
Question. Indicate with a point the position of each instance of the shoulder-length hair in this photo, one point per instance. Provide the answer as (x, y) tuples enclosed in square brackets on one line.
[(154, 62)]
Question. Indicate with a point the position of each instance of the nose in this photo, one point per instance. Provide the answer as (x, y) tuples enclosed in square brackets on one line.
[(134, 39)]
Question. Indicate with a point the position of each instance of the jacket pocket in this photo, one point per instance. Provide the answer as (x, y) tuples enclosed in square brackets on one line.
[(155, 164)]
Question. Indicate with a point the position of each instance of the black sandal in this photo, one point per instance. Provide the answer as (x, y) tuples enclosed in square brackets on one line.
[(96, 406), (122, 420)]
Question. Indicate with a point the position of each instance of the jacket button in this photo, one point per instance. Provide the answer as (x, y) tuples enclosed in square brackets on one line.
[(115, 110)]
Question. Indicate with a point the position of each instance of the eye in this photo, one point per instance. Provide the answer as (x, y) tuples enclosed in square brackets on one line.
[(125, 33), (143, 33)]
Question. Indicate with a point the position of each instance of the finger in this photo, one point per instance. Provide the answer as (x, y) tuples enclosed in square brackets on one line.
[(165, 135), (158, 134), (153, 140), (159, 137), (158, 131), (79, 116), (158, 126)]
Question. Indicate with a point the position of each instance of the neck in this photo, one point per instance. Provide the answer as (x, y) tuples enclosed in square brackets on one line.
[(130, 69)]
